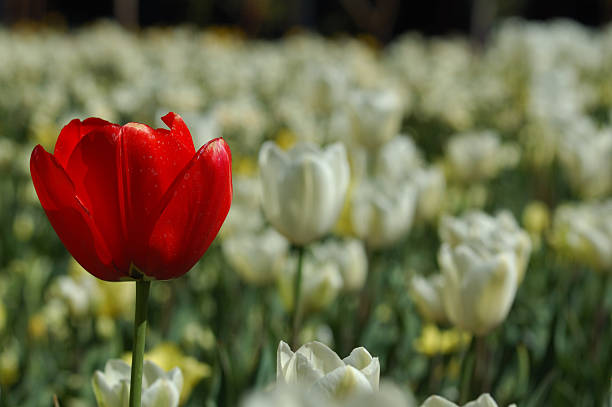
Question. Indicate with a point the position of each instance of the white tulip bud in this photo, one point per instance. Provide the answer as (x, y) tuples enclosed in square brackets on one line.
[(303, 189), (584, 232), (321, 282), (398, 158), (431, 190), (478, 287), (351, 258), (287, 396), (318, 368), (494, 234), (376, 116), (587, 161), (427, 294), (485, 400), (258, 257), (478, 156), (159, 389), (382, 213)]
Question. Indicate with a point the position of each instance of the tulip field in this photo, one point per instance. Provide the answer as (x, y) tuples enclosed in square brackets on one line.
[(195, 218)]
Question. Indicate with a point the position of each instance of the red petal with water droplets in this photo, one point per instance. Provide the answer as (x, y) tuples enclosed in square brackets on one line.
[(72, 133), (149, 161), (93, 170), (68, 216), (193, 211)]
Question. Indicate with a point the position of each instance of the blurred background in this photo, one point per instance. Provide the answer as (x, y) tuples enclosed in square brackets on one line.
[(382, 19)]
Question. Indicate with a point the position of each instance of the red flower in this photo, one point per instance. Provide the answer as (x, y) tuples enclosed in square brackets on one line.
[(132, 200)]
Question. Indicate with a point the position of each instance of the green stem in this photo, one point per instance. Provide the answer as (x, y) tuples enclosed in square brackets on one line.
[(467, 372), (140, 333), (297, 294)]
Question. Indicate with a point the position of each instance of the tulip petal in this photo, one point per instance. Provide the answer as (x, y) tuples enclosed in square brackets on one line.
[(68, 216), (192, 212), (343, 382), (149, 161), (284, 354), (437, 401), (179, 129), (72, 133), (92, 167)]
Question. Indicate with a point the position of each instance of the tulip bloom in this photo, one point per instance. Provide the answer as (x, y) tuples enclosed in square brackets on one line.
[(132, 202)]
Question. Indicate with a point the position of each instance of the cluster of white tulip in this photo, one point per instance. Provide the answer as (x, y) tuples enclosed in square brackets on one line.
[(583, 232), (393, 187), (301, 193), (482, 261)]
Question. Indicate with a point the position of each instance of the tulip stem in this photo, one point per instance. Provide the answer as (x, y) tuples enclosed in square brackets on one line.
[(140, 333), (297, 291)]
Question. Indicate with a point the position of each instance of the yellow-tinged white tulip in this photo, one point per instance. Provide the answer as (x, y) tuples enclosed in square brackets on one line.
[(382, 212), (427, 293), (319, 368), (159, 388), (478, 287), (485, 400), (303, 189), (351, 258), (375, 115)]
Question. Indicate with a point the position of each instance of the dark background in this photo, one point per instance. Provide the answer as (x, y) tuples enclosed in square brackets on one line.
[(383, 19)]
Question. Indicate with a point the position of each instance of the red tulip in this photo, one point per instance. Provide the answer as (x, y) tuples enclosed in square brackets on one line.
[(132, 202)]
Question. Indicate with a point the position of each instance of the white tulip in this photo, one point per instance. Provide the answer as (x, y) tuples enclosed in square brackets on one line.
[(318, 368), (485, 400), (376, 116), (350, 256), (494, 234), (398, 158), (382, 213), (287, 396), (478, 156), (398, 161), (245, 214), (587, 161), (478, 287), (159, 389), (584, 232), (303, 189), (257, 257), (431, 190), (390, 395), (427, 294), (321, 282), (482, 261)]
